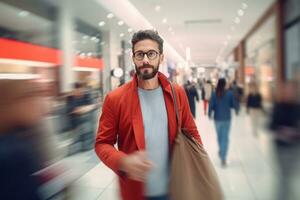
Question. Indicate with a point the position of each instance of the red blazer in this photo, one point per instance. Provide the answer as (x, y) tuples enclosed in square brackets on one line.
[(121, 122)]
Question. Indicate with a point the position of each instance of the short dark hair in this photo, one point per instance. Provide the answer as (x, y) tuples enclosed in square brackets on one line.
[(147, 34)]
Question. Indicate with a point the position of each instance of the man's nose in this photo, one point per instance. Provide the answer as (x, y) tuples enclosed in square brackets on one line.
[(145, 59)]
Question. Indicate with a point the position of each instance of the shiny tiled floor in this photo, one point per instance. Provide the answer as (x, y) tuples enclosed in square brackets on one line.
[(250, 174)]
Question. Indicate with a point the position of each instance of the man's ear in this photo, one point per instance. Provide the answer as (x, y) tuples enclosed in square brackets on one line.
[(161, 57)]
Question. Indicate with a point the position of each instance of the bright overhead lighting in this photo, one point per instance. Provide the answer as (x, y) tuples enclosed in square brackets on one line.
[(237, 20), (170, 29), (228, 37), (164, 20), (157, 8), (85, 37), (102, 43), (93, 38), (120, 23), (102, 23), (110, 15), (244, 6), (23, 13), (122, 34), (90, 54), (240, 12), (130, 30)]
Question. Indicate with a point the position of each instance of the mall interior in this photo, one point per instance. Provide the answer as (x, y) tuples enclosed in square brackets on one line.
[(57, 50)]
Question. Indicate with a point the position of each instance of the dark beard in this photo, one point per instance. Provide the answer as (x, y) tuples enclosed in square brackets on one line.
[(146, 75)]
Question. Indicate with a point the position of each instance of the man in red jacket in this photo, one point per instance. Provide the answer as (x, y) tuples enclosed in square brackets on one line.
[(140, 117)]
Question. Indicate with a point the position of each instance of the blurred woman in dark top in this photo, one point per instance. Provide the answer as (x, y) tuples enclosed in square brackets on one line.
[(220, 104), (254, 107), (285, 121)]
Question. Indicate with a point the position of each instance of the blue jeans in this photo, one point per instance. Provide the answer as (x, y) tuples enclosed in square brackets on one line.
[(165, 197), (222, 128)]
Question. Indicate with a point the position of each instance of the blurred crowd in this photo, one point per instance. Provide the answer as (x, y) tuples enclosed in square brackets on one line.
[(33, 128)]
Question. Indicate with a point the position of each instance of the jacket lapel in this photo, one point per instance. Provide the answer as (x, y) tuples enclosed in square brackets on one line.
[(137, 118)]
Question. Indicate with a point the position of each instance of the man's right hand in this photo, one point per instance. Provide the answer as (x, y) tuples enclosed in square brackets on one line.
[(136, 166)]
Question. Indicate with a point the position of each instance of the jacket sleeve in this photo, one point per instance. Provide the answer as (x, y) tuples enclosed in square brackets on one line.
[(187, 120), (107, 137)]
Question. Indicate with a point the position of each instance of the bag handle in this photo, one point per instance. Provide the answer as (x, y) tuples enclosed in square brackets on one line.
[(175, 104)]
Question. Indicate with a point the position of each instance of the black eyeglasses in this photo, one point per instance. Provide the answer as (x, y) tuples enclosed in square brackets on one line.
[(151, 54)]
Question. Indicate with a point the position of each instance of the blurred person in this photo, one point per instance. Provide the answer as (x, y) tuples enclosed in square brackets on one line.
[(79, 107), (238, 92), (206, 94), (192, 95), (140, 117), (220, 105), (285, 121), (254, 107), (21, 109)]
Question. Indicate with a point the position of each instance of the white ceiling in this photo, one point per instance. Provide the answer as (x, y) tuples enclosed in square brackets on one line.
[(214, 24), (203, 25)]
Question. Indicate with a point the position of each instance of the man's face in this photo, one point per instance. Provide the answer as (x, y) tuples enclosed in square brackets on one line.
[(146, 58)]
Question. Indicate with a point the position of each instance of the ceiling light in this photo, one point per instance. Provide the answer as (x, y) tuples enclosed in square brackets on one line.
[(23, 13), (240, 12), (90, 54), (85, 37), (102, 23), (130, 30), (122, 34), (110, 15), (244, 6), (120, 23), (164, 20), (102, 43), (237, 20), (157, 8)]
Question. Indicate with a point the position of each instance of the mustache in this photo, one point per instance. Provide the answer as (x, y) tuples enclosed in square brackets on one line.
[(146, 66)]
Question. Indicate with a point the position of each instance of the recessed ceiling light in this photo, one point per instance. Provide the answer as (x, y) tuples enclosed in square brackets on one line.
[(130, 30), (157, 8), (120, 23), (164, 20), (102, 23), (240, 12), (122, 34), (110, 15), (23, 13), (244, 6), (237, 20)]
